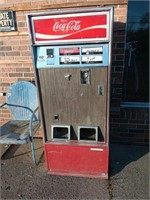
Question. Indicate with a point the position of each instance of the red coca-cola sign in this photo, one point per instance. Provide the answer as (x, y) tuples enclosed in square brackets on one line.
[(71, 27)]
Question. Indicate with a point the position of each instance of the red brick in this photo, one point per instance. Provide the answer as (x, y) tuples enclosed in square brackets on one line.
[(5, 48), (13, 53), (25, 41), (4, 75), (120, 11), (5, 115), (20, 48), (25, 79), (22, 4), (8, 80), (3, 86), (32, 70), (30, 65), (15, 74), (11, 42), (26, 53), (5, 111), (12, 65), (23, 29), (2, 53), (22, 24), (8, 58), (122, 19), (122, 6), (2, 99), (118, 51), (37, 3), (119, 38), (28, 74), (22, 70), (21, 18), (23, 58)]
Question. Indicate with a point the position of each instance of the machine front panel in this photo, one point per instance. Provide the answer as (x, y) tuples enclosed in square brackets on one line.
[(75, 97)]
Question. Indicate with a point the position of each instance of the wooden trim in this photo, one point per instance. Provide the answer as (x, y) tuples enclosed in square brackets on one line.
[(27, 7), (14, 61), (13, 33)]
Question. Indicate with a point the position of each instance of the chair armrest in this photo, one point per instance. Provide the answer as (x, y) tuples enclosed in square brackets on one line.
[(3, 105), (31, 121)]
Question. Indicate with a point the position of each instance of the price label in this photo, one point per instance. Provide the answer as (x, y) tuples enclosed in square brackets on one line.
[(92, 50), (70, 60), (92, 59)]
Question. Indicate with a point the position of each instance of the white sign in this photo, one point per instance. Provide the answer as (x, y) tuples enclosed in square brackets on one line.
[(70, 59), (92, 50), (92, 59)]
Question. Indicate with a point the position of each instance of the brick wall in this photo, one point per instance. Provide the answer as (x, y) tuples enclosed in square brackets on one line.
[(16, 64), (127, 125), (130, 125)]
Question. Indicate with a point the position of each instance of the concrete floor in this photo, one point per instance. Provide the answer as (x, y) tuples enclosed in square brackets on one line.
[(129, 176)]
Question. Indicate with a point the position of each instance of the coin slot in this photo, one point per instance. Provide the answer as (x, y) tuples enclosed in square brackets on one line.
[(85, 76)]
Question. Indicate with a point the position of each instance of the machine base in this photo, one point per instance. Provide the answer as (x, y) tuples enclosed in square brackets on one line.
[(76, 159), (105, 176)]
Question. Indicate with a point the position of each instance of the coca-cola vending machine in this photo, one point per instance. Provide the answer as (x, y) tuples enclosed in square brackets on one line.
[(72, 57)]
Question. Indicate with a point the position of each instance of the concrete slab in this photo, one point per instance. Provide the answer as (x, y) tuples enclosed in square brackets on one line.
[(21, 180), (129, 172)]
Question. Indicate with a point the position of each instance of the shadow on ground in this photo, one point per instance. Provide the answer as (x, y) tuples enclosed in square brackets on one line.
[(123, 155)]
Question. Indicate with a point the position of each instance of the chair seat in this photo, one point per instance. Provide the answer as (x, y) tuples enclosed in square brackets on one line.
[(17, 131)]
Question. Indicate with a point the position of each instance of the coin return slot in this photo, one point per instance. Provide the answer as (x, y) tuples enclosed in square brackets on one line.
[(87, 133), (61, 133), (85, 76)]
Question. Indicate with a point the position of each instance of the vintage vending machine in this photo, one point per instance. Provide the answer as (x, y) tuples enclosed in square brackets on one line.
[(72, 60)]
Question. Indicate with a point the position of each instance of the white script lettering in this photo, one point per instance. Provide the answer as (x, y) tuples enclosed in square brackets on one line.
[(70, 26)]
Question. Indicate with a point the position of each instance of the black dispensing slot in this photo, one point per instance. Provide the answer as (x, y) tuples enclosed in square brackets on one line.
[(86, 133), (60, 132)]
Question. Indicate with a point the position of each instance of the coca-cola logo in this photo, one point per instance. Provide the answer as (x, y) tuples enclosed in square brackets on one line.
[(72, 25)]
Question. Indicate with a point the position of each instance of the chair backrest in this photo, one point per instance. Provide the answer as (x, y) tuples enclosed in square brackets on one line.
[(21, 99)]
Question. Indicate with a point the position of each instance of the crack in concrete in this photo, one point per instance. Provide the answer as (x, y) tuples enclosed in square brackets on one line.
[(110, 188)]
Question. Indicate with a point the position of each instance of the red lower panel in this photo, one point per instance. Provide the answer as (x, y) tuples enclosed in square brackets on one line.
[(76, 160)]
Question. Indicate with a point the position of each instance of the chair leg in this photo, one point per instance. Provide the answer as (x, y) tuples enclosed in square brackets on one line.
[(33, 151)]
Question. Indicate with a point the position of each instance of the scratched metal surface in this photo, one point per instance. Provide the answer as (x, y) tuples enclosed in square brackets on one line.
[(22, 100)]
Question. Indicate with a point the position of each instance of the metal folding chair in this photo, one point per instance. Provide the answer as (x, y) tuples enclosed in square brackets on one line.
[(21, 100)]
